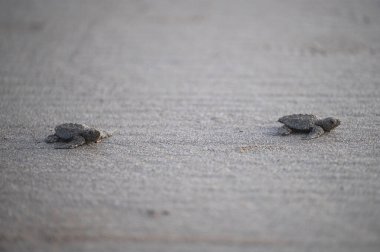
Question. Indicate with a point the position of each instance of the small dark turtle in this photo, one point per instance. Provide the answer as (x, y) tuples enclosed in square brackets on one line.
[(72, 135), (307, 124)]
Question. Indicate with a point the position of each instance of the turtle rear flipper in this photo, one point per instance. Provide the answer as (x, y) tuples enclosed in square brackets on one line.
[(284, 130), (315, 132), (75, 142), (52, 139)]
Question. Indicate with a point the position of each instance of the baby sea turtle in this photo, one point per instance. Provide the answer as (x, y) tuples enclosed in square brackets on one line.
[(307, 124), (72, 135)]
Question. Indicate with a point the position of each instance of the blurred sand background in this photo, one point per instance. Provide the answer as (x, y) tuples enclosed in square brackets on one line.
[(193, 90)]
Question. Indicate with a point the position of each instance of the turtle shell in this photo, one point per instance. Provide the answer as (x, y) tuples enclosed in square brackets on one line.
[(299, 121), (67, 131)]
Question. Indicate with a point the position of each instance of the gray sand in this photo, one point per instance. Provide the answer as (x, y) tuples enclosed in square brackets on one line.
[(193, 90)]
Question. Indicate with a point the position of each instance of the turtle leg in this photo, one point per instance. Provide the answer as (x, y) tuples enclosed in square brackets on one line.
[(51, 139), (284, 130), (315, 132), (73, 143), (103, 134)]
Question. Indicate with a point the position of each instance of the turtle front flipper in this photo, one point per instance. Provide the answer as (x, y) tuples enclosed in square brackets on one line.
[(73, 143), (52, 139), (315, 132), (104, 134), (284, 130)]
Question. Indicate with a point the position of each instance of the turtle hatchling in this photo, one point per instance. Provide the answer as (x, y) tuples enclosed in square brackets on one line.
[(72, 135), (307, 124)]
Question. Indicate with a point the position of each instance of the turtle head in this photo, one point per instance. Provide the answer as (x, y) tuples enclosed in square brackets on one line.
[(91, 135), (330, 123)]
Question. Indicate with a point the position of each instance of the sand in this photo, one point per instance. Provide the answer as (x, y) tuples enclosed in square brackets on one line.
[(193, 91)]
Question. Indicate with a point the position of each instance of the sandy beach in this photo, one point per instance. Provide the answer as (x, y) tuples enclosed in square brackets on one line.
[(192, 91)]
